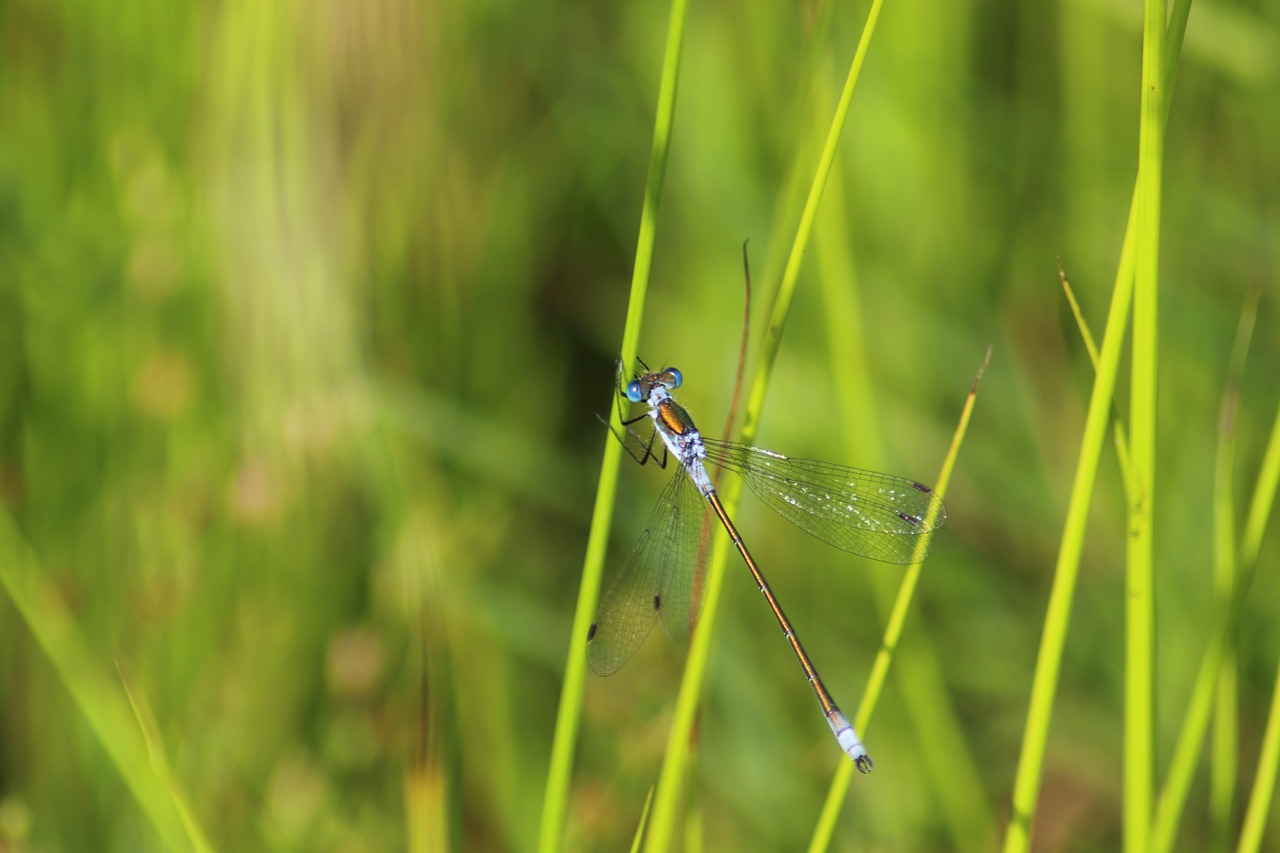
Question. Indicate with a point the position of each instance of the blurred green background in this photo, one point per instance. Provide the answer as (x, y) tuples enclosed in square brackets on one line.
[(307, 311)]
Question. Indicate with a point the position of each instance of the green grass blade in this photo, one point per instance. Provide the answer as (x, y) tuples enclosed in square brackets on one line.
[(569, 713), (1117, 425), (1191, 737), (1264, 786), (1226, 737), (1183, 765), (111, 716), (791, 272), (1026, 785), (638, 838), (956, 778), (676, 757), (1216, 676), (1139, 595), (1264, 780), (1264, 497), (1194, 728), (836, 793), (1053, 638)]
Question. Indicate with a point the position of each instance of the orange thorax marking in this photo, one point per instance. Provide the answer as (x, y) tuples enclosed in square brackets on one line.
[(674, 417)]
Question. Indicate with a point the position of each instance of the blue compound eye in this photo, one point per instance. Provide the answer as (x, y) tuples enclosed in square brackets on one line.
[(634, 392), (672, 377)]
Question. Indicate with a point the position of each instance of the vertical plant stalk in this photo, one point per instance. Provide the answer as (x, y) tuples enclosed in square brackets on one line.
[(569, 715), (1044, 685), (1026, 786), (1139, 702)]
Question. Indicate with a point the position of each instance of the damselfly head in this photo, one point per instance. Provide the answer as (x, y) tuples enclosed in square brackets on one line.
[(638, 390)]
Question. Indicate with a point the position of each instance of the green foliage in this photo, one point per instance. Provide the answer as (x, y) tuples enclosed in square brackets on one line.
[(306, 314)]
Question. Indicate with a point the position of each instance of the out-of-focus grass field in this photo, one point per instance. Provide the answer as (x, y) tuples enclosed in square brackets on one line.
[(306, 315)]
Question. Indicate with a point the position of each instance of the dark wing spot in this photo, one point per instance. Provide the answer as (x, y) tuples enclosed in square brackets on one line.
[(657, 602), (591, 634), (923, 488), (909, 519)]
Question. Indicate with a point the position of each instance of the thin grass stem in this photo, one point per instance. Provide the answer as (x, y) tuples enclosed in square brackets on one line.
[(791, 272), (1057, 620), (836, 793), (1231, 586), (569, 714), (1044, 685), (1140, 578), (1264, 779), (1117, 424)]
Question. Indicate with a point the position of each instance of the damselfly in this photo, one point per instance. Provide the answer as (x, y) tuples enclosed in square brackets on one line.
[(865, 513)]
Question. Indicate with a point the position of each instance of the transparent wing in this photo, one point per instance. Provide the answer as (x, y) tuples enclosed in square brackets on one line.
[(658, 580), (866, 513)]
